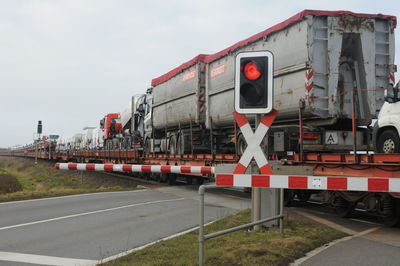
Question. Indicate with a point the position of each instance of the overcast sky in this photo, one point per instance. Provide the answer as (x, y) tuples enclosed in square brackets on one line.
[(70, 62)]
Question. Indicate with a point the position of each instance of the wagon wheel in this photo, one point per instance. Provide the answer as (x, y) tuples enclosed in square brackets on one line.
[(389, 211), (171, 179), (343, 207), (200, 180), (288, 196)]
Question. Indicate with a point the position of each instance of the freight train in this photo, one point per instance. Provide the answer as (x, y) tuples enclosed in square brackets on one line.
[(333, 74)]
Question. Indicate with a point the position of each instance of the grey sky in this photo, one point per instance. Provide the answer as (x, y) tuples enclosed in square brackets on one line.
[(70, 62)]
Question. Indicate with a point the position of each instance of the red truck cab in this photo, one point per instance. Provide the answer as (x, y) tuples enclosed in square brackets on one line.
[(111, 125)]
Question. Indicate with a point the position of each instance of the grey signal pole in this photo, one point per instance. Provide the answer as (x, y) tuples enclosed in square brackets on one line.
[(256, 197), (39, 131), (36, 150)]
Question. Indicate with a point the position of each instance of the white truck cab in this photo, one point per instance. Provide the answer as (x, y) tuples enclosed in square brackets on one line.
[(387, 128)]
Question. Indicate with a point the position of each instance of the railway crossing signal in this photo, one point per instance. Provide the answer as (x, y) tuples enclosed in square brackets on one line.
[(39, 127), (254, 82)]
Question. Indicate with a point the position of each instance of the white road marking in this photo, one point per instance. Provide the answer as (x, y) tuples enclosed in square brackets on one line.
[(363, 221), (87, 213), (71, 196), (44, 260)]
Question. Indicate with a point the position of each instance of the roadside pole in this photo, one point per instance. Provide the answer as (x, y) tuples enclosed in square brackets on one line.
[(39, 131), (36, 152), (256, 198)]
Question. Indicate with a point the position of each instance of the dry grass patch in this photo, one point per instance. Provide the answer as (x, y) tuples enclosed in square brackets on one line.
[(25, 180), (239, 248), (8, 183)]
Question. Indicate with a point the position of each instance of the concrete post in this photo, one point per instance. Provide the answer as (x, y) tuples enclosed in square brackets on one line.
[(269, 204)]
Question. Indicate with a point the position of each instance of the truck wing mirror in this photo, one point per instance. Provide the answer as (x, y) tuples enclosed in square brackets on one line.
[(392, 96), (396, 92), (141, 108)]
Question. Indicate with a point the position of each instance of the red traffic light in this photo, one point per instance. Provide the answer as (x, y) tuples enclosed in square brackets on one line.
[(251, 71)]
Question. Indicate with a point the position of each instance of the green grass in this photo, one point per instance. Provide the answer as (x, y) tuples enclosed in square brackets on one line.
[(239, 248), (43, 180)]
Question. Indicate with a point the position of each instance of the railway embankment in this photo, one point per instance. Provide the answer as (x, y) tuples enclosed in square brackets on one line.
[(21, 179)]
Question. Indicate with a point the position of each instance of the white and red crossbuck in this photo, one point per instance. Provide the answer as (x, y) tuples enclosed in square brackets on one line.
[(254, 140)]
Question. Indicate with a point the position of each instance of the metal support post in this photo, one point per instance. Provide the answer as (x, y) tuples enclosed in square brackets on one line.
[(191, 136), (256, 191), (152, 138), (37, 149), (281, 199), (166, 141), (201, 225), (36, 152), (212, 140), (301, 150), (354, 110), (257, 206), (354, 125), (235, 132)]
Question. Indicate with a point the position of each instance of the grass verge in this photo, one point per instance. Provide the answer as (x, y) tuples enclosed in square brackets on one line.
[(239, 248), (21, 179)]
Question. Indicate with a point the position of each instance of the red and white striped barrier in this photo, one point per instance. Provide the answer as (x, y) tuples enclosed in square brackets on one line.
[(136, 168), (310, 182)]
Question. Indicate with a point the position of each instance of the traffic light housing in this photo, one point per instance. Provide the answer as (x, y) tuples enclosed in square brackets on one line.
[(254, 82), (39, 127)]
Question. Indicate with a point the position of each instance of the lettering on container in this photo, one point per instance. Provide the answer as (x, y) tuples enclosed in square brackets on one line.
[(189, 75), (218, 71)]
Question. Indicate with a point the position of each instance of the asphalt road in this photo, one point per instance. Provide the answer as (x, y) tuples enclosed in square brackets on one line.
[(84, 229)]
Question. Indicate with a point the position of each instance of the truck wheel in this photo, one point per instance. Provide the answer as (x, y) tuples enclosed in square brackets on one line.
[(241, 144), (109, 144), (127, 143), (147, 147), (181, 144), (172, 145), (388, 142)]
